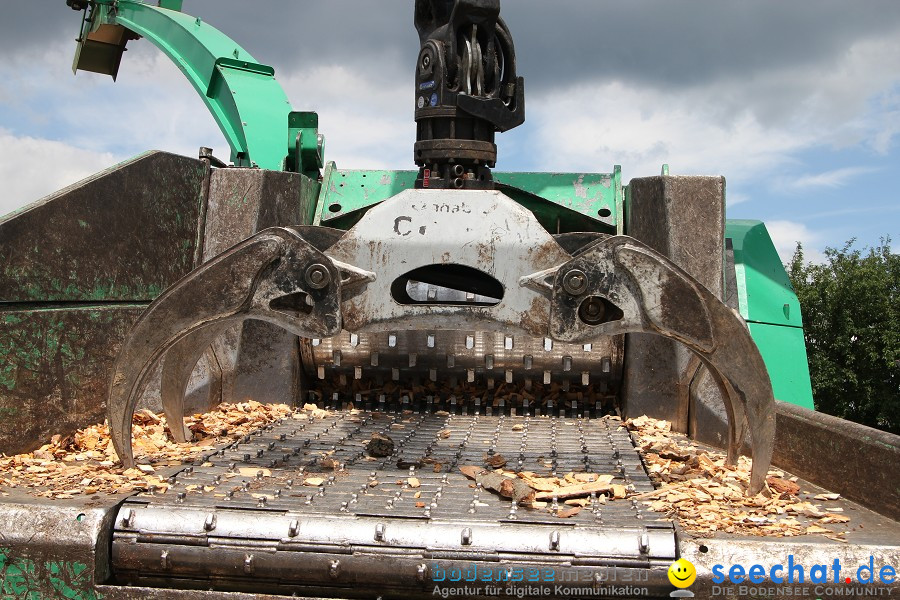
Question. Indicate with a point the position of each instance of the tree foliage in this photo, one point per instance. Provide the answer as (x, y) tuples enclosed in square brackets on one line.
[(851, 318)]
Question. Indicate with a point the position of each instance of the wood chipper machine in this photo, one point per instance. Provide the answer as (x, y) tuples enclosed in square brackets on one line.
[(458, 314)]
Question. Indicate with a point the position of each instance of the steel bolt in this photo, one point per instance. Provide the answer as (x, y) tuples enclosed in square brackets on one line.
[(575, 282), (592, 311), (317, 276)]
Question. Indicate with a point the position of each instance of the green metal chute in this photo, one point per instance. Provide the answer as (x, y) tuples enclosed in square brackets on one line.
[(246, 101)]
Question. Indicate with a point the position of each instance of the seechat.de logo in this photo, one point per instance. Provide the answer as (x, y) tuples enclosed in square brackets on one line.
[(682, 574)]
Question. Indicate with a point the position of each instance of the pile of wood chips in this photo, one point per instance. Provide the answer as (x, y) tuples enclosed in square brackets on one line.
[(705, 495), (86, 463)]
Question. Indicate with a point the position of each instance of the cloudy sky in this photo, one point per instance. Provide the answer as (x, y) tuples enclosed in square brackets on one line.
[(796, 103)]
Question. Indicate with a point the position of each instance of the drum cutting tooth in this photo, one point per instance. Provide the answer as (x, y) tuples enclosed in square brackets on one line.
[(357, 372), (588, 347), (316, 341), (451, 361), (548, 344), (470, 342), (392, 340), (354, 340), (336, 357), (373, 359), (470, 375), (567, 363), (432, 374), (489, 362), (320, 371), (528, 383), (490, 383), (585, 378), (395, 374), (412, 360), (430, 340), (509, 376), (546, 377), (528, 362), (508, 343)]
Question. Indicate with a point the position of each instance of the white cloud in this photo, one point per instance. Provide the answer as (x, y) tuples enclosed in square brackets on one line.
[(827, 179), (737, 126), (786, 234), (31, 168), (367, 124)]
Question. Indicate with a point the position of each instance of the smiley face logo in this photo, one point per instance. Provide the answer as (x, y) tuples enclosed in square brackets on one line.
[(682, 573)]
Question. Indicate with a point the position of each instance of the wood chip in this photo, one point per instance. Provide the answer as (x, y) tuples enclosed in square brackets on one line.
[(496, 461), (568, 512), (575, 491), (413, 482), (783, 486), (826, 497), (314, 481), (380, 445), (253, 472), (66, 463), (705, 495)]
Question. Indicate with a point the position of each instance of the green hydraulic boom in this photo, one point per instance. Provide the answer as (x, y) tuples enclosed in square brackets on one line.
[(247, 103)]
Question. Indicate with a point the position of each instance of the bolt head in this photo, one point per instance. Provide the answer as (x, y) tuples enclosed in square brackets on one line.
[(318, 277), (575, 282)]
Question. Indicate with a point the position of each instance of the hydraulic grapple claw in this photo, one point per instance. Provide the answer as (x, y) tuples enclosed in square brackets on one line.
[(275, 276), (619, 285)]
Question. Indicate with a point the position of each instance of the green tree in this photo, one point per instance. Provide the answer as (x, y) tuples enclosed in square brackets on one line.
[(851, 318)]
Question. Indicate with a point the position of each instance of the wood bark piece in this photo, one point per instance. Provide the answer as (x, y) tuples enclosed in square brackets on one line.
[(380, 445), (508, 487)]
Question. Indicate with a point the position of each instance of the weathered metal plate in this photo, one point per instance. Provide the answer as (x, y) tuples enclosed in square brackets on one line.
[(481, 230), (124, 234), (683, 219), (54, 372)]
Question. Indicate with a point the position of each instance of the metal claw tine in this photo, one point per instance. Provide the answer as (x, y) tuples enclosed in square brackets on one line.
[(275, 276), (178, 365)]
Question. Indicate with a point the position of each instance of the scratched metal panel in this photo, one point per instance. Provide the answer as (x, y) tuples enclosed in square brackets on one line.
[(54, 371), (124, 234)]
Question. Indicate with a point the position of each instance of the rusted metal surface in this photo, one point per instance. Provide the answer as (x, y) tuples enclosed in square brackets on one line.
[(54, 373), (76, 270), (54, 550), (851, 459), (482, 230), (124, 234), (681, 217)]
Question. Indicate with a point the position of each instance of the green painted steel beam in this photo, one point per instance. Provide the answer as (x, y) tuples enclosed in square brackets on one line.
[(568, 201), (247, 103), (768, 303)]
